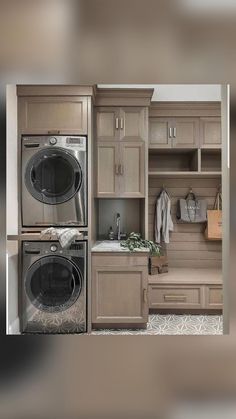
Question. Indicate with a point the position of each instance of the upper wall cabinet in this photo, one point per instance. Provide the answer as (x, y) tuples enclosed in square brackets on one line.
[(185, 133), (160, 131), (173, 132), (108, 124), (133, 123), (53, 114), (126, 123), (210, 131), (121, 169)]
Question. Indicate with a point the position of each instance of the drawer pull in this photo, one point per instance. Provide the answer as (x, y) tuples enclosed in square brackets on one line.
[(175, 297), (145, 295), (117, 123), (54, 131)]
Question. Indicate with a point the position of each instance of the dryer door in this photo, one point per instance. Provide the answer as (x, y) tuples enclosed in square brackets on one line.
[(53, 176), (53, 283)]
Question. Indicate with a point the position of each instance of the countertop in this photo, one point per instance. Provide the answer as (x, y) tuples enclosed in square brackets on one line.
[(114, 246)]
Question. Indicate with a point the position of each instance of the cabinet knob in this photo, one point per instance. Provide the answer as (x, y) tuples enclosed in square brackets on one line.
[(121, 123), (117, 123), (170, 132)]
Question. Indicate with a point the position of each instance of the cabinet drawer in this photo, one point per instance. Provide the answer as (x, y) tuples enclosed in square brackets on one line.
[(181, 296), (214, 296), (119, 260)]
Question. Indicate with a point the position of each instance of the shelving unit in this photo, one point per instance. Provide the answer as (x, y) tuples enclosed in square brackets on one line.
[(185, 162)]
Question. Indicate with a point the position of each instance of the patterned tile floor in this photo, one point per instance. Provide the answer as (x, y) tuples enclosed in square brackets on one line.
[(172, 324)]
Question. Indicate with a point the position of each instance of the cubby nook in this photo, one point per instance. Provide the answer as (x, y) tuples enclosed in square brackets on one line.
[(172, 161), (211, 160)]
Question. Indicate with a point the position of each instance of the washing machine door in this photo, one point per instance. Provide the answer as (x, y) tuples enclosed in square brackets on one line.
[(53, 283), (53, 176)]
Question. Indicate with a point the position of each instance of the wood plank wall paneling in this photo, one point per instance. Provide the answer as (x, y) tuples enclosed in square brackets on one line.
[(188, 247)]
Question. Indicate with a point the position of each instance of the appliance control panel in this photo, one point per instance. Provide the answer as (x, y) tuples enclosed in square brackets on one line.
[(75, 142)]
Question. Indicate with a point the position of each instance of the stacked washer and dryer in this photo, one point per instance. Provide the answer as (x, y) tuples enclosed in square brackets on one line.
[(54, 193)]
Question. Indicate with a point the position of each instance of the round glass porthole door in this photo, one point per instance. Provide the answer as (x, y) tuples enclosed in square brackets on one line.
[(53, 283), (53, 176)]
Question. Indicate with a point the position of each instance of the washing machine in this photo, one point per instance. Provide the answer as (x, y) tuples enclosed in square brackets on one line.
[(54, 287), (54, 181)]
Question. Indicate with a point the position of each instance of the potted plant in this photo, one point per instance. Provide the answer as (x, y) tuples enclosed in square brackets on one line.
[(157, 259)]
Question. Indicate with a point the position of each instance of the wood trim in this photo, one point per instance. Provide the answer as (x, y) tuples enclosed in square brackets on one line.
[(55, 90), (185, 109), (123, 97)]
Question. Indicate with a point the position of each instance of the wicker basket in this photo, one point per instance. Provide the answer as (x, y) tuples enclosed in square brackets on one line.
[(158, 265)]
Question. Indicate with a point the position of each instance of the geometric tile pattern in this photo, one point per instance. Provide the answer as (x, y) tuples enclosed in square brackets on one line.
[(173, 324)]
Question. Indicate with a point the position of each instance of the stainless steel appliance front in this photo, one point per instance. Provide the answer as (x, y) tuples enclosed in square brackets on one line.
[(54, 181), (54, 287)]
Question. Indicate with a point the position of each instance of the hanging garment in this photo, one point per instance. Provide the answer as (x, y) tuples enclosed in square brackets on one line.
[(163, 220)]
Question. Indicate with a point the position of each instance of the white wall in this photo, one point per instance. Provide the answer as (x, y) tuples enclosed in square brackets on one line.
[(12, 280), (178, 92), (12, 193)]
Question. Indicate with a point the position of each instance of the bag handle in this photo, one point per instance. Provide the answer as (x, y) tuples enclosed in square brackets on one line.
[(218, 201), (190, 195)]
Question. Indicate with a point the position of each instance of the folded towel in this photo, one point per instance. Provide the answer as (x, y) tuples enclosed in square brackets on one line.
[(66, 236)]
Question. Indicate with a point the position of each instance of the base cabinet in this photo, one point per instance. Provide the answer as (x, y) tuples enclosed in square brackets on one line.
[(185, 296), (119, 291)]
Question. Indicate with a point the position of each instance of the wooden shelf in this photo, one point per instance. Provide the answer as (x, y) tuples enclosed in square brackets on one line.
[(185, 173)]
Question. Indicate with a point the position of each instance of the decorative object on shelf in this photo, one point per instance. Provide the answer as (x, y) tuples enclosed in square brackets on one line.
[(158, 265), (192, 210), (214, 219), (111, 234), (163, 221), (135, 241)]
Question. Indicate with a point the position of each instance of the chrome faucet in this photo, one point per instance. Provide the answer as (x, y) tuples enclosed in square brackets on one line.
[(118, 225)]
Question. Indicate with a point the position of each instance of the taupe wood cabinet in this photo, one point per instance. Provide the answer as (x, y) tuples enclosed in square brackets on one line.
[(174, 132), (120, 169), (121, 134), (119, 289), (210, 131), (185, 288), (121, 123), (53, 114), (214, 297)]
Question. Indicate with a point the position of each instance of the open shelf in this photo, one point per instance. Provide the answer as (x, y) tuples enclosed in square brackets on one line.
[(173, 160), (211, 160)]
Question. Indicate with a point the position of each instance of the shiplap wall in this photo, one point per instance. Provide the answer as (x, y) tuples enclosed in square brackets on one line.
[(188, 246)]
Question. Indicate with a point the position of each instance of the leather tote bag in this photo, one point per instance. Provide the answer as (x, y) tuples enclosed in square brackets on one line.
[(192, 210), (214, 220)]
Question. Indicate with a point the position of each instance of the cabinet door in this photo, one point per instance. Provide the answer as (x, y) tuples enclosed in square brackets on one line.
[(46, 115), (210, 132), (119, 295), (107, 124), (185, 133), (107, 169), (133, 124), (214, 297), (160, 132), (132, 169)]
